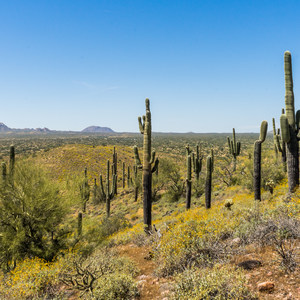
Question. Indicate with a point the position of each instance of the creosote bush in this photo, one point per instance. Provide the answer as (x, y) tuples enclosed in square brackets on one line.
[(219, 282)]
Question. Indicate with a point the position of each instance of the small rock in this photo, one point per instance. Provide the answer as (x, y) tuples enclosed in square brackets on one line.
[(236, 242), (270, 274), (143, 277), (266, 286), (141, 283)]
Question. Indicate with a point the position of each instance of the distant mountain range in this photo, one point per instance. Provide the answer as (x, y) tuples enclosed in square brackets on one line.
[(90, 129)]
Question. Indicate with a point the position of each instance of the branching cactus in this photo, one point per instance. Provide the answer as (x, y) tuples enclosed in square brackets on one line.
[(108, 193), (257, 160), (148, 169), (234, 148), (115, 168), (289, 124), (279, 144), (197, 162), (188, 182), (208, 181), (85, 191)]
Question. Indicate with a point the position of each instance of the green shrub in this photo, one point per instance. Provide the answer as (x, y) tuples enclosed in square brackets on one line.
[(220, 282), (116, 286)]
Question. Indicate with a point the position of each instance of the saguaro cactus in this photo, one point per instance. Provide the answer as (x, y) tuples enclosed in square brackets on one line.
[(123, 175), (289, 124), (279, 144), (257, 160), (188, 182), (85, 191), (108, 193), (208, 181), (115, 168), (79, 224), (234, 148), (197, 162), (129, 179), (148, 160), (4, 172), (136, 183)]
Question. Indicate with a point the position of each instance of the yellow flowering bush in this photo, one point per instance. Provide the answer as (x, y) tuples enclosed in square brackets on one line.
[(32, 278)]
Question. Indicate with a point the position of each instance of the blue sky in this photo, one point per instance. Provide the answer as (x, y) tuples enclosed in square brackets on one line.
[(207, 66)]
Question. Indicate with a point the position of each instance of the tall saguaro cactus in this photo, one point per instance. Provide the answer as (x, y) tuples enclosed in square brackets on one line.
[(208, 180), (289, 124), (85, 191), (279, 144), (234, 148), (188, 182), (115, 168), (257, 160), (148, 160), (197, 162), (108, 193)]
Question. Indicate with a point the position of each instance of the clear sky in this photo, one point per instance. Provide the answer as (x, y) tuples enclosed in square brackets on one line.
[(207, 66)]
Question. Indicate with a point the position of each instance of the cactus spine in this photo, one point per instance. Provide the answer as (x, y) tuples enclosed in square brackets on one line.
[(234, 148), (208, 181), (148, 160), (188, 182), (279, 145), (257, 160), (197, 162), (289, 124), (85, 191), (108, 193)]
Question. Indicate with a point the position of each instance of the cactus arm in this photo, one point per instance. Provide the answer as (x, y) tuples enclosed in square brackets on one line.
[(155, 165), (263, 131), (284, 126), (137, 157), (152, 157), (112, 193), (234, 141), (141, 125), (229, 145), (102, 187), (297, 121), (289, 94)]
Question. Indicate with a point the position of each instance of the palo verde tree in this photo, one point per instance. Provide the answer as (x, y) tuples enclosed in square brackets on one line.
[(32, 212), (148, 161), (234, 148), (257, 160), (289, 124)]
